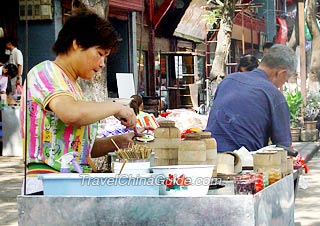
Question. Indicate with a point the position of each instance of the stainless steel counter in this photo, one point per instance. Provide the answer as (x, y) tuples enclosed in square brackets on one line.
[(272, 206)]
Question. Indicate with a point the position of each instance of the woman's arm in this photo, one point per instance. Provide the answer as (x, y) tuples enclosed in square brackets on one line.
[(102, 146), (79, 113)]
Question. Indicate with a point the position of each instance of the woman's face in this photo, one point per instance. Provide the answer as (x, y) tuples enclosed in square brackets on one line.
[(90, 61)]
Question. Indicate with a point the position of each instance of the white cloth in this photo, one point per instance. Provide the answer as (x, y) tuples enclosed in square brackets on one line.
[(3, 81), (33, 185)]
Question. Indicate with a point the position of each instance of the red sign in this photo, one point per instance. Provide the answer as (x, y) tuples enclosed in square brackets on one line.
[(282, 33)]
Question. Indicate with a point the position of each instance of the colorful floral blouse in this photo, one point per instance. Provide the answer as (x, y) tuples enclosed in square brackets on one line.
[(47, 137)]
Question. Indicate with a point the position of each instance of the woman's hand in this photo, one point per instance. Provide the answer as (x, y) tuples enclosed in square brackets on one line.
[(144, 128), (127, 117), (102, 146)]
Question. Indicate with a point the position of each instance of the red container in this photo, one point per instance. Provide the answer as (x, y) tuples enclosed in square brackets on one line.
[(258, 182)]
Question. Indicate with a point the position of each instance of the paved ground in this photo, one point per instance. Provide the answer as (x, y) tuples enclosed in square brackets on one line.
[(307, 206), (11, 175)]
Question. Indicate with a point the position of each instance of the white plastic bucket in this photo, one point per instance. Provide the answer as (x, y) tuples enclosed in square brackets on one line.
[(136, 167)]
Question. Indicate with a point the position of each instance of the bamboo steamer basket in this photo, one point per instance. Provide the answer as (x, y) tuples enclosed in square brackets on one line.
[(268, 161), (225, 164), (192, 149), (284, 155), (167, 129), (211, 150), (166, 143), (165, 162), (229, 163), (289, 165)]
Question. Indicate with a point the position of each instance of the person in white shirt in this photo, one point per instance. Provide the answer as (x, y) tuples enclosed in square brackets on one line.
[(15, 57), (7, 72)]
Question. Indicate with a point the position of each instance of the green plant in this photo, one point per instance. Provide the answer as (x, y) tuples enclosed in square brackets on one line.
[(294, 100), (311, 110)]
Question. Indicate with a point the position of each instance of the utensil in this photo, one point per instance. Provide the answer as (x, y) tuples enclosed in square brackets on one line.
[(115, 144), (136, 151), (123, 164)]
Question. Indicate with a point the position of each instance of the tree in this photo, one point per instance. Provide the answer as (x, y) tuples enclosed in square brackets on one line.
[(96, 89), (217, 72), (313, 65), (314, 71)]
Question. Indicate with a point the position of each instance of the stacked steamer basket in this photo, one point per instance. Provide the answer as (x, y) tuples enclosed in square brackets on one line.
[(289, 165), (284, 156), (211, 150), (166, 143), (268, 162), (192, 150)]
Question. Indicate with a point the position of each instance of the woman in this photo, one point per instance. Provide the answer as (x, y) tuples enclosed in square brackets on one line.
[(7, 72), (145, 120), (248, 63), (57, 119)]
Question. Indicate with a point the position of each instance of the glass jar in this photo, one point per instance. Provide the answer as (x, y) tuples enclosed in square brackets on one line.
[(244, 184), (259, 182), (274, 175)]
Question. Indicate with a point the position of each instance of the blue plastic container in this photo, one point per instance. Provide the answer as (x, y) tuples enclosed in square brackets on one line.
[(99, 184)]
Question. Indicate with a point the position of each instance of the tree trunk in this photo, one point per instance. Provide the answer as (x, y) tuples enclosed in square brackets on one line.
[(95, 89), (314, 72), (294, 38), (217, 72)]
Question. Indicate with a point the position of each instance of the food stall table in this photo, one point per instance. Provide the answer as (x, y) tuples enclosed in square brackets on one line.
[(272, 206)]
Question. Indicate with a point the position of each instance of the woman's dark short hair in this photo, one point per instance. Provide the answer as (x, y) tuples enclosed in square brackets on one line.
[(267, 45), (88, 29), (135, 103), (12, 70), (248, 63)]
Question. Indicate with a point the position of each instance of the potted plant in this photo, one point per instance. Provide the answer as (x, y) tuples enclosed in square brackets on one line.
[(311, 111), (294, 100)]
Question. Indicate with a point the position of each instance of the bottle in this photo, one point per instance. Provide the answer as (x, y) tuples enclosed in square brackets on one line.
[(3, 101), (69, 158)]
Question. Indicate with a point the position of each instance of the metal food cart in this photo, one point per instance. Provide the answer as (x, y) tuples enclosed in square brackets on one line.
[(273, 205)]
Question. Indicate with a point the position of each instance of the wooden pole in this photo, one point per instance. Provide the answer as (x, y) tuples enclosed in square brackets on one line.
[(302, 50), (242, 36), (151, 91)]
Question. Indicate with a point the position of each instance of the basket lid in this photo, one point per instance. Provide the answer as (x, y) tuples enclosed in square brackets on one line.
[(192, 136), (205, 134), (166, 123)]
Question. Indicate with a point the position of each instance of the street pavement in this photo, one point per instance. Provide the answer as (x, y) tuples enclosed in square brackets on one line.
[(11, 175), (307, 201), (307, 207)]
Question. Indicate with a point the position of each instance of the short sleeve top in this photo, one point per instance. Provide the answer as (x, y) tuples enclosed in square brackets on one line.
[(47, 137)]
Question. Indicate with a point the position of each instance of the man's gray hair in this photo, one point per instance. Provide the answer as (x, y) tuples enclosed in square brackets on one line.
[(280, 56)]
